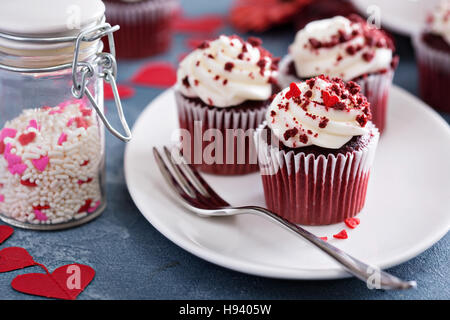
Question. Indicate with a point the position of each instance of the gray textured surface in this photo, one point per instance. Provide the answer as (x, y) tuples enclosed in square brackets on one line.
[(134, 261)]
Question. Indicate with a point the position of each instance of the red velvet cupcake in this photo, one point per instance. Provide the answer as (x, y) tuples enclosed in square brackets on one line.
[(222, 93), (316, 150), (145, 26), (347, 48), (432, 49)]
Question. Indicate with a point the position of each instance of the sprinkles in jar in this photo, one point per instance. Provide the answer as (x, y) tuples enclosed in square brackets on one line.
[(49, 169), (52, 144)]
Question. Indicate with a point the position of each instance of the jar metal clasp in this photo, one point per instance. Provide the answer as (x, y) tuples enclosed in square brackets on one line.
[(84, 70)]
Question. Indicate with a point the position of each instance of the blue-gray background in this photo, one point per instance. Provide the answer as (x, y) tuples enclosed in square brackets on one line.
[(134, 261)]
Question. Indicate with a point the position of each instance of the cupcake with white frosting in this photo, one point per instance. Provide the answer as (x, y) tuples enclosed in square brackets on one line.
[(315, 151), (347, 48), (222, 92), (432, 47)]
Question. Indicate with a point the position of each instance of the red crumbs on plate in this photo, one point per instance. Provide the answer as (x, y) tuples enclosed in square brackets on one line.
[(324, 238), (341, 235), (156, 74), (206, 23), (352, 222), (124, 91)]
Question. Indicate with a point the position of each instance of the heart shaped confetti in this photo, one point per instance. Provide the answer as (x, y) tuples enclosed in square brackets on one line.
[(66, 282), (352, 222), (341, 235), (206, 23), (27, 138), (156, 74), (14, 258), (5, 233), (125, 92), (328, 99), (40, 163)]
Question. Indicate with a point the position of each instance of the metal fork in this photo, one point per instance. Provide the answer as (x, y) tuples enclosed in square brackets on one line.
[(196, 195)]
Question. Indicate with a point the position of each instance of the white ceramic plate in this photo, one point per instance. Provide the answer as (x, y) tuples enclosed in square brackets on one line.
[(407, 208), (403, 16)]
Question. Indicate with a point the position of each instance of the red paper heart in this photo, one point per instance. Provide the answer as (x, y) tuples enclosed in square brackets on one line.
[(5, 233), (66, 282), (205, 23), (15, 258), (125, 92), (156, 74)]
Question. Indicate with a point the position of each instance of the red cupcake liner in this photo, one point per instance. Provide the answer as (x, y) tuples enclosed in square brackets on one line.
[(145, 26), (434, 74), (374, 86), (310, 190), (236, 154), (376, 89)]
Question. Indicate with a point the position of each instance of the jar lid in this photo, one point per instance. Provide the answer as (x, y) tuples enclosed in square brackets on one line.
[(44, 18)]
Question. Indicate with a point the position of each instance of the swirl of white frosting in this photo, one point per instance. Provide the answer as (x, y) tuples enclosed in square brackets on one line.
[(339, 47), (309, 118), (226, 72), (440, 20)]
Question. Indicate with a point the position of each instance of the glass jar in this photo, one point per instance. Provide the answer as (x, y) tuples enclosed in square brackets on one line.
[(52, 143)]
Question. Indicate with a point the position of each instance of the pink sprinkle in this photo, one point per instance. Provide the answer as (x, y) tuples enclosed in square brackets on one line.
[(17, 168), (56, 110), (96, 205), (2, 198), (7, 132), (69, 123), (40, 163), (62, 138), (40, 215), (33, 124)]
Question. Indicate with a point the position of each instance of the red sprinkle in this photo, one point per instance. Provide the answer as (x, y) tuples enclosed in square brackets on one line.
[(328, 99), (352, 222), (86, 206), (341, 235), (28, 183), (27, 138), (40, 208), (294, 91)]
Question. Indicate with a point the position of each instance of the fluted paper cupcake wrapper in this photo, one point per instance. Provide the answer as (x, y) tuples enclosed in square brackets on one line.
[(434, 74), (375, 87), (145, 27), (315, 190), (236, 154)]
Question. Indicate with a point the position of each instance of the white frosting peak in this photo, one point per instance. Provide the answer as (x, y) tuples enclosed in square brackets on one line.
[(322, 112), (226, 72), (340, 47)]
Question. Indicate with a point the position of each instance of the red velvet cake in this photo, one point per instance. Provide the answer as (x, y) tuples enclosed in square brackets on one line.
[(223, 90), (315, 151), (433, 58), (145, 26), (347, 48)]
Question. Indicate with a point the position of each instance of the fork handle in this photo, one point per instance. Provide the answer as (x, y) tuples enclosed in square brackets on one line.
[(373, 276)]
